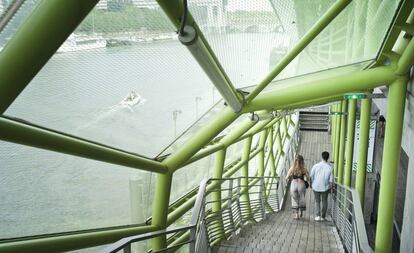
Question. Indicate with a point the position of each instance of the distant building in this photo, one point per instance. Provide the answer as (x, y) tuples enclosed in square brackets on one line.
[(145, 4), (102, 5)]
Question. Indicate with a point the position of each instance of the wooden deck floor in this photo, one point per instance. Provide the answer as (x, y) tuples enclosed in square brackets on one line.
[(280, 233)]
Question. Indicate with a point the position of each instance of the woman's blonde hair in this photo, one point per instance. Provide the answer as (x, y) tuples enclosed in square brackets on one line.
[(298, 168)]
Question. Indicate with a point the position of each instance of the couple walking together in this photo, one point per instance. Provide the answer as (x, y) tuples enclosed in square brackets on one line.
[(320, 178)]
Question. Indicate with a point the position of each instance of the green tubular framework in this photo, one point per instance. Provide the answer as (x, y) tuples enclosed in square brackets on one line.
[(37, 40)]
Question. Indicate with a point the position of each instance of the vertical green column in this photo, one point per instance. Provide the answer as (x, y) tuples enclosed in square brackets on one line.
[(332, 123), (160, 208), (363, 148), (216, 195), (244, 184), (337, 138), (350, 141), (261, 155), (341, 152), (272, 159), (390, 162)]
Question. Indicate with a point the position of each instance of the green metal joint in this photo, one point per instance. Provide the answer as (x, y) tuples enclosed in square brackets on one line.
[(35, 42)]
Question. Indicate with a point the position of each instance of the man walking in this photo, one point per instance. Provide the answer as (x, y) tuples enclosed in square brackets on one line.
[(321, 180)]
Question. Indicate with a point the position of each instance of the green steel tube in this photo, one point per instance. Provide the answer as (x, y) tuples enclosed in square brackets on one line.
[(284, 95), (35, 42), (271, 153), (261, 155), (350, 141), (390, 162), (324, 21), (337, 140), (332, 119), (200, 139), (223, 143), (279, 140), (216, 195), (244, 183), (63, 243), (365, 119), (18, 132), (160, 208), (342, 143), (204, 55), (406, 60)]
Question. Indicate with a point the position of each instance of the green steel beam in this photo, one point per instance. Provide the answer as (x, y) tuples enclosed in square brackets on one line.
[(350, 136), (160, 208), (201, 138), (225, 142), (390, 162), (342, 143), (35, 42), (18, 132), (293, 93), (271, 153), (204, 55), (365, 118), (76, 241), (324, 21)]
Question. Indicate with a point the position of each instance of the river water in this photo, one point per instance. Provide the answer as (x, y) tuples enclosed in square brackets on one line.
[(79, 93)]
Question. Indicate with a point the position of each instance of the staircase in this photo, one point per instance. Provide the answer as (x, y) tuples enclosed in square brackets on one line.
[(314, 120), (279, 233)]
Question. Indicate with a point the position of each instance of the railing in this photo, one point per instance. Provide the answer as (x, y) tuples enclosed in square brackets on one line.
[(349, 220), (223, 206), (239, 204)]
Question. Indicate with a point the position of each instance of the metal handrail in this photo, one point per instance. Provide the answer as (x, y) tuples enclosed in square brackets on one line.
[(349, 219), (235, 211)]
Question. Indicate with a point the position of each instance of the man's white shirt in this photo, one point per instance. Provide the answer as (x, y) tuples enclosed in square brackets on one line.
[(321, 176)]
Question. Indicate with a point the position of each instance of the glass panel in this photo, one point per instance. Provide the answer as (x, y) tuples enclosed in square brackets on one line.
[(10, 29), (249, 37), (190, 176), (121, 79), (253, 166), (44, 192), (354, 36)]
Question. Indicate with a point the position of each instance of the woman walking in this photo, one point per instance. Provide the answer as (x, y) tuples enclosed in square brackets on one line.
[(297, 174)]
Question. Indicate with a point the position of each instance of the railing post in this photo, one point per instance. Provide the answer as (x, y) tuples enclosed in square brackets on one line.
[(390, 162), (262, 197), (342, 143), (350, 141), (365, 119)]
